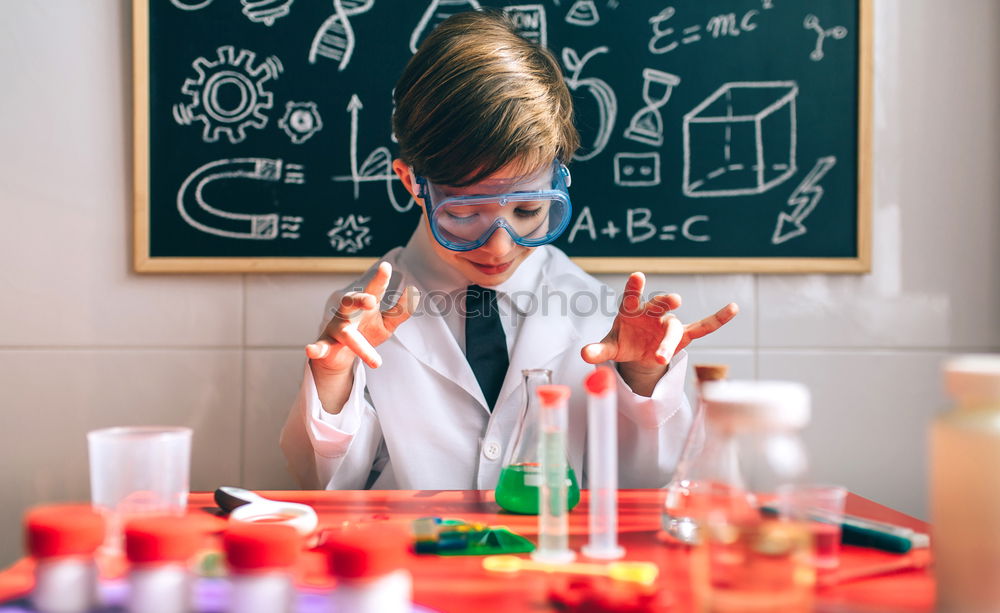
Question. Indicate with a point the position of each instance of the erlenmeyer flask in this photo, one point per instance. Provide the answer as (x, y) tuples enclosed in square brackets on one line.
[(517, 489), (686, 491), (437, 11)]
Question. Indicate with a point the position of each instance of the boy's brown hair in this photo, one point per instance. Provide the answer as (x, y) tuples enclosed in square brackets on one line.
[(476, 97)]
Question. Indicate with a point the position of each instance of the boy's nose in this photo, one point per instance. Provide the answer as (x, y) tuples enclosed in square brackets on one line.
[(499, 243)]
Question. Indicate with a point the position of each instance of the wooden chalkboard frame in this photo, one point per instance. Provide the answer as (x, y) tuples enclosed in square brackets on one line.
[(144, 263)]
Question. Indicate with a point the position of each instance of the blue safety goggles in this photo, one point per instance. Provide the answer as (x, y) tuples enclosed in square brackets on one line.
[(534, 210)]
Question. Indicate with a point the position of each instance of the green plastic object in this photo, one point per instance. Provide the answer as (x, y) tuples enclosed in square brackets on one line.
[(493, 541)]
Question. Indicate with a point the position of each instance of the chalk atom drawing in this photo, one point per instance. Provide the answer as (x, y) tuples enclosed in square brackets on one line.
[(646, 125), (266, 11), (583, 13), (607, 103), (436, 12), (301, 121), (376, 167), (741, 140), (530, 22), (350, 234), (228, 114), (803, 200), (812, 23), (637, 169), (335, 39), (201, 215)]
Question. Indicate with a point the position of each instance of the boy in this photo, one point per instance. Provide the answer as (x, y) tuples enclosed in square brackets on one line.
[(484, 124)]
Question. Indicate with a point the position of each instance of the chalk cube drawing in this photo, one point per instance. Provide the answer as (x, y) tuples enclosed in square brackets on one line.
[(741, 139)]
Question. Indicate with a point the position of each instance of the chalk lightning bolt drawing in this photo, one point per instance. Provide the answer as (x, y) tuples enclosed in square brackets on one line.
[(804, 199)]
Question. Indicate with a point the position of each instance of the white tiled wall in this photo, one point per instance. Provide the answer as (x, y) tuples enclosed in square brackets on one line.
[(84, 342)]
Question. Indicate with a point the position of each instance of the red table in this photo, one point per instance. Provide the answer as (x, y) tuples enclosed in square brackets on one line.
[(460, 584)]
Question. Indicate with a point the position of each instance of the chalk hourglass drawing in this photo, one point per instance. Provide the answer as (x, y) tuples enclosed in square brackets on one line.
[(647, 124)]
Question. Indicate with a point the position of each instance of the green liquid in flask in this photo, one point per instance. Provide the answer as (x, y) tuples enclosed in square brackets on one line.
[(517, 489)]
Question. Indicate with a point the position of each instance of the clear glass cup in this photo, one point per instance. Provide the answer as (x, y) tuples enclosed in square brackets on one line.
[(138, 470)]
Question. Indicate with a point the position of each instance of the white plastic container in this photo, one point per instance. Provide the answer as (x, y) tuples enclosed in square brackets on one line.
[(62, 539), (159, 550), (965, 488), (370, 571), (261, 559)]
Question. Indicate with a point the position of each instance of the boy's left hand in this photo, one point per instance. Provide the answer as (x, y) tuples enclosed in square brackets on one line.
[(647, 335)]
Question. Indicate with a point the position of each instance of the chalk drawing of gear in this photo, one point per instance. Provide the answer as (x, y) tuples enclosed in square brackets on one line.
[(206, 218), (228, 96), (301, 121)]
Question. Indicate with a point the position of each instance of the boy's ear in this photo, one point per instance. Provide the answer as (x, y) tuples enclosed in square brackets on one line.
[(402, 170)]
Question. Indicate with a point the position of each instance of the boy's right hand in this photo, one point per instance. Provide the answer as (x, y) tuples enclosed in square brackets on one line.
[(358, 326)]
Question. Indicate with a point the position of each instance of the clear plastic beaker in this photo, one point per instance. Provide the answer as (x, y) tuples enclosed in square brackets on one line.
[(517, 488), (141, 470)]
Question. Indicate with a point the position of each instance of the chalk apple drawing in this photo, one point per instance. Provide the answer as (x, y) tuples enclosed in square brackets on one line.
[(607, 103)]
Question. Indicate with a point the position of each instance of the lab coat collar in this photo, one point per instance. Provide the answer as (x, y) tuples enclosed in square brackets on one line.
[(426, 335)]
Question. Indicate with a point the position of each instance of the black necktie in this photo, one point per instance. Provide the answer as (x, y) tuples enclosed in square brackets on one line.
[(485, 342)]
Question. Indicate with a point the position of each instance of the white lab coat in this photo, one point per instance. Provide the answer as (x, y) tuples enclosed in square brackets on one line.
[(420, 420)]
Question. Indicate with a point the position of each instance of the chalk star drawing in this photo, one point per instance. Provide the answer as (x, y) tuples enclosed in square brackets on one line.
[(231, 70), (350, 233)]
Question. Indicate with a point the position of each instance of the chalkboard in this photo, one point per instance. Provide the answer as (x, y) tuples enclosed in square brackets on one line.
[(723, 136)]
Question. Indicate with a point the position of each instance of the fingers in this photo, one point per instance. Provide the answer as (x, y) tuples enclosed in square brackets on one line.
[(713, 322), (596, 353), (357, 343), (662, 303), (319, 350), (632, 295), (401, 311), (380, 281), (671, 339), (349, 337), (352, 303)]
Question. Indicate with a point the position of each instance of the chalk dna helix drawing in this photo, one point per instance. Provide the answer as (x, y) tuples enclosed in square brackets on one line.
[(741, 140), (301, 121), (230, 72), (201, 215), (335, 37)]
